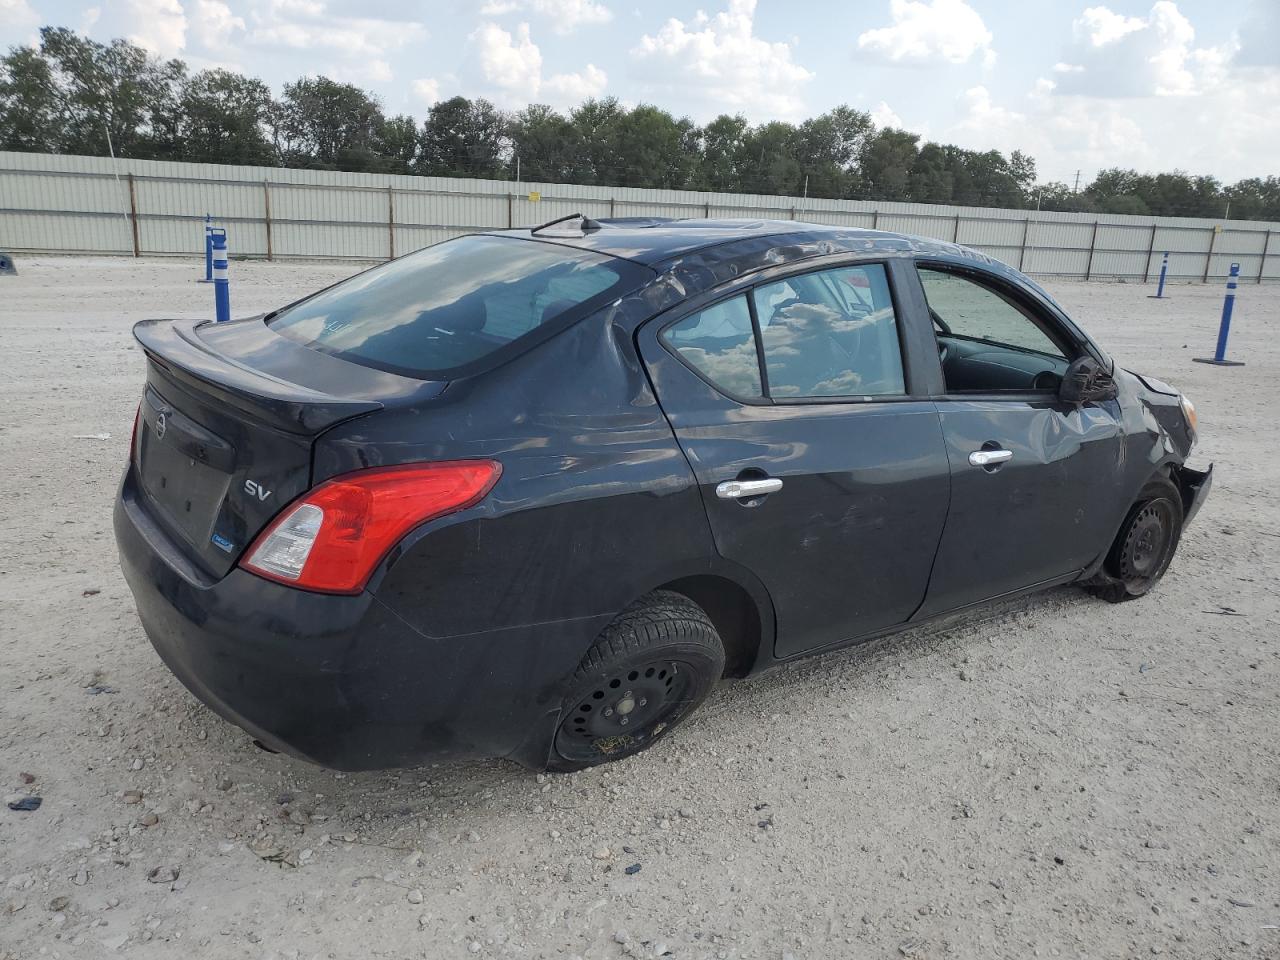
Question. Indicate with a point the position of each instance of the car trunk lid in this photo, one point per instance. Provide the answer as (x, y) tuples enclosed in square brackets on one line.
[(227, 423)]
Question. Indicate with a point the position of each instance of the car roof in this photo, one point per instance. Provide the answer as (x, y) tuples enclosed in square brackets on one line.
[(700, 246), (653, 240)]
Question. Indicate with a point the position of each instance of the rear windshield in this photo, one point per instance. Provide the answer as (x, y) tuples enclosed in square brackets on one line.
[(458, 306)]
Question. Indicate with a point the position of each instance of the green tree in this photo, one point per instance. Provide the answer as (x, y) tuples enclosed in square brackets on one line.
[(660, 150), (112, 97), (548, 145), (597, 123), (397, 141), (464, 138), (769, 160), (28, 102), (722, 157), (1060, 197), (828, 148), (888, 160), (328, 125), (931, 180), (223, 115)]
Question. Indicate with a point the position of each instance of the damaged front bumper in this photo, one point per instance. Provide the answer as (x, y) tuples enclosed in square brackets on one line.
[(1194, 486)]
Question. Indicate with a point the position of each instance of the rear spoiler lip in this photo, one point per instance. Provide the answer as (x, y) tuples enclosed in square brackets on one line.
[(174, 346)]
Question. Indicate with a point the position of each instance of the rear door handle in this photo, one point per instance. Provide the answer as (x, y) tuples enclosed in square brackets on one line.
[(989, 458), (740, 489)]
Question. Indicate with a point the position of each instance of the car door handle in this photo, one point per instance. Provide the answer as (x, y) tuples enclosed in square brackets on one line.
[(740, 489), (989, 458)]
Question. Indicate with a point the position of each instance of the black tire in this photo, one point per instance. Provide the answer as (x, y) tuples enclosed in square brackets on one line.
[(1144, 547), (645, 674)]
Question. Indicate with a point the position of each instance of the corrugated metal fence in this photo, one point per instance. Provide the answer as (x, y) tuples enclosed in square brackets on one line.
[(143, 208)]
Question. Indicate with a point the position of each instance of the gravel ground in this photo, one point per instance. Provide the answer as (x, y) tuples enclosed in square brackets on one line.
[(1052, 777)]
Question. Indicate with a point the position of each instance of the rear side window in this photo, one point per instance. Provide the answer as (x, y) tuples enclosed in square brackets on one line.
[(832, 333), (457, 306), (719, 343)]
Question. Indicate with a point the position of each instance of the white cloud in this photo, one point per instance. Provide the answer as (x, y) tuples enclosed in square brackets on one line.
[(17, 14), (1100, 26), (361, 72), (511, 66), (510, 63), (427, 90), (564, 16), (573, 88), (1259, 37), (719, 63), (927, 31), (159, 26), (883, 116), (213, 23), (308, 25), (1236, 128), (1118, 56)]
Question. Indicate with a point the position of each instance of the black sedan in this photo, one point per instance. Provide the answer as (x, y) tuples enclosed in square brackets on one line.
[(532, 493)]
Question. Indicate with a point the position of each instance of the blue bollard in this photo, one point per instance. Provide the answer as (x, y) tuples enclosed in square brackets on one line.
[(1164, 272), (1219, 357), (208, 250), (221, 282)]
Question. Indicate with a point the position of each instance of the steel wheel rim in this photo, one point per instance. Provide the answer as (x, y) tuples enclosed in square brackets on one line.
[(1147, 543), (626, 710)]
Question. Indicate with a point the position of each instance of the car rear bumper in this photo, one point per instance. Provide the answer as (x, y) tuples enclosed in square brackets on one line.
[(340, 681)]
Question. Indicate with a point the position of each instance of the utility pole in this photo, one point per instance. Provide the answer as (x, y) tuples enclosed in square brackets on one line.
[(1076, 189)]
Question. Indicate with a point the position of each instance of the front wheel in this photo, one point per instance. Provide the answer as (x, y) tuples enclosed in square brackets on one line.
[(646, 672), (1144, 546)]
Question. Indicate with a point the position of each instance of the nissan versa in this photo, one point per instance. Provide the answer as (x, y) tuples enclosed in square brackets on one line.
[(531, 493)]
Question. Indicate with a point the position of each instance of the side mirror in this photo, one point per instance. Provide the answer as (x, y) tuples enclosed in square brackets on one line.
[(1086, 381)]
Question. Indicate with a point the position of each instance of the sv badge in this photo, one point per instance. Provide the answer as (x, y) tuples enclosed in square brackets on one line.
[(255, 489)]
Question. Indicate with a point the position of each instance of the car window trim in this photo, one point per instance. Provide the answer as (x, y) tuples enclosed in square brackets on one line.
[(745, 286)]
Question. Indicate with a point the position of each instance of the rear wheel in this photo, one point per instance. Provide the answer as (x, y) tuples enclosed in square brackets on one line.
[(1144, 546), (646, 672)]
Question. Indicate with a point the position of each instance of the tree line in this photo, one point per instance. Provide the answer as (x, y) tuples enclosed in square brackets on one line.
[(73, 95)]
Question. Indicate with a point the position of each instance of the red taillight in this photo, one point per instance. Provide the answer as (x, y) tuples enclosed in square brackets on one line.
[(331, 538)]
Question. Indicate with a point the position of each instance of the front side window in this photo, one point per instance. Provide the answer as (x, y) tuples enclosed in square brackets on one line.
[(444, 310), (832, 333), (719, 343), (985, 341)]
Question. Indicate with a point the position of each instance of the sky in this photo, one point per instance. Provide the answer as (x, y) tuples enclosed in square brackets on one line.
[(1173, 84)]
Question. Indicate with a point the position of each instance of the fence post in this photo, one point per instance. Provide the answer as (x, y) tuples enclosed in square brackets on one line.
[(707, 210), (1151, 252), (1208, 258), (1022, 251), (955, 230), (793, 213), (1093, 243), (511, 203), (391, 223), (133, 216), (612, 206), (875, 219), (1266, 247), (266, 216)]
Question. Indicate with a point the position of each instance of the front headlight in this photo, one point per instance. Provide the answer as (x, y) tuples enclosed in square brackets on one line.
[(1189, 414)]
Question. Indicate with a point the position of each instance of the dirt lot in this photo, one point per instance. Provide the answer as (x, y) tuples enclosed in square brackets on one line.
[(1054, 777)]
